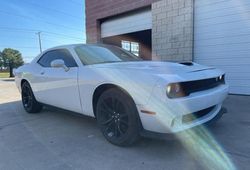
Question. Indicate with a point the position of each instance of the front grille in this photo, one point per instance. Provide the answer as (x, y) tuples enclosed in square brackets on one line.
[(182, 89), (196, 115), (200, 85)]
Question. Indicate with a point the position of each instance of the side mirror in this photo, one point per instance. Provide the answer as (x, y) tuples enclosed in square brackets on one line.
[(14, 71), (59, 64)]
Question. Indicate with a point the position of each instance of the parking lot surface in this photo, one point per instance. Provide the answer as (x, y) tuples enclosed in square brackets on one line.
[(56, 139)]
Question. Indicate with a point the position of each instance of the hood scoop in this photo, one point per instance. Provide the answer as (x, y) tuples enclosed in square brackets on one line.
[(187, 63)]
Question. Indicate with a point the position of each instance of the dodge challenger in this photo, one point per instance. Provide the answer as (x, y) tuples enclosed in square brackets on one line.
[(128, 97)]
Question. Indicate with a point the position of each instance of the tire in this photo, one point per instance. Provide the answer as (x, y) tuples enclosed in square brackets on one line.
[(117, 117), (28, 99)]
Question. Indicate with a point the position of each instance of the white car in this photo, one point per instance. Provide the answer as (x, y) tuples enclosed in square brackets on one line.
[(128, 96)]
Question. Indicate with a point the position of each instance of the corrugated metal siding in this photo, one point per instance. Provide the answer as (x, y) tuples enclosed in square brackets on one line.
[(222, 39), (126, 24)]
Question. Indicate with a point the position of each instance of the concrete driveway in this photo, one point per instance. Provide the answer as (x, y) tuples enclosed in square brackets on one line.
[(56, 139)]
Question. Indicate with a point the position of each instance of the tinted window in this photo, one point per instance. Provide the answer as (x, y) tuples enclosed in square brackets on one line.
[(94, 54), (62, 54)]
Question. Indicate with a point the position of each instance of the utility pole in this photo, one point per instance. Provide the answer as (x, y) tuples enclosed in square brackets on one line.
[(40, 41)]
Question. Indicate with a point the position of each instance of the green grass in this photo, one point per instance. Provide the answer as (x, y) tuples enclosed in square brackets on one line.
[(4, 75)]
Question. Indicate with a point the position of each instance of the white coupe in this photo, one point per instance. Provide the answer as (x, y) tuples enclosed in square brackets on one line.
[(128, 96)]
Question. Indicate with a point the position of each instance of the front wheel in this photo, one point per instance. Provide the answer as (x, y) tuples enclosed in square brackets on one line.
[(117, 117), (28, 99)]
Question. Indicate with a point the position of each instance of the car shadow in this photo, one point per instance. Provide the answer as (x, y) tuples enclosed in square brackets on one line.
[(13, 113), (82, 119)]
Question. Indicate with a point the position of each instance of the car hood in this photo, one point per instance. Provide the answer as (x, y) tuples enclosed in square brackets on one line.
[(155, 67)]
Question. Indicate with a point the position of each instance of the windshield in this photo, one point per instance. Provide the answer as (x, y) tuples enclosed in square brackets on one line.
[(96, 54)]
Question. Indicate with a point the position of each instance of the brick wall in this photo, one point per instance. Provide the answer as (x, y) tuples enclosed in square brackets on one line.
[(99, 9), (172, 31)]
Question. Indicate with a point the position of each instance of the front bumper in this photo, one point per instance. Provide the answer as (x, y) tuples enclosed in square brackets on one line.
[(169, 113), (170, 136)]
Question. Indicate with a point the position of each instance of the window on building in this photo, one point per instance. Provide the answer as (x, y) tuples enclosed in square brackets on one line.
[(132, 47)]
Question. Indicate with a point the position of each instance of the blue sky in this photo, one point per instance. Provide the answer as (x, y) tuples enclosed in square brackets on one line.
[(60, 21)]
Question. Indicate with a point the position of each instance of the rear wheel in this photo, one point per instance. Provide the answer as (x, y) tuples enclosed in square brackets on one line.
[(28, 99), (117, 117)]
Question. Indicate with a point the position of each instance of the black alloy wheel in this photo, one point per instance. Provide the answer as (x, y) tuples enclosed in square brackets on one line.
[(117, 117), (28, 99)]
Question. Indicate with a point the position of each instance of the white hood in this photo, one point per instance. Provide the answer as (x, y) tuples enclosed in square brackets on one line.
[(155, 67)]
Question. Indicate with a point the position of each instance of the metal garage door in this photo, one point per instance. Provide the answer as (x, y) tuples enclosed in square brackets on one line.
[(222, 39), (128, 23)]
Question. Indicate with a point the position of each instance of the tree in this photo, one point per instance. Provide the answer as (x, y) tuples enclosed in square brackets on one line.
[(11, 58)]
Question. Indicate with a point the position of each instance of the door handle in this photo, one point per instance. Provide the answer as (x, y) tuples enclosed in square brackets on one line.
[(42, 72)]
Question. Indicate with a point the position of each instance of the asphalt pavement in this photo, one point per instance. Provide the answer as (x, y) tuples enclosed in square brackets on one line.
[(57, 139)]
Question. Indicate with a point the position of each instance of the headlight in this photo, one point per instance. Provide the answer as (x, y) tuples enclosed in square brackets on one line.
[(221, 79), (175, 90)]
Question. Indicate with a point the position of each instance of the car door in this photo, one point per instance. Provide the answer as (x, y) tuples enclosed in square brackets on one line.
[(58, 86)]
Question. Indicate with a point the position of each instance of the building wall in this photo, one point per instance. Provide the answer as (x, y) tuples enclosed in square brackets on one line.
[(172, 31), (100, 9), (172, 20)]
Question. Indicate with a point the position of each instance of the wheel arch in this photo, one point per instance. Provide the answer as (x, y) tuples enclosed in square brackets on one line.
[(102, 88), (23, 81)]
